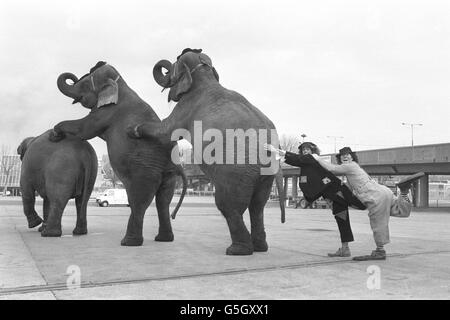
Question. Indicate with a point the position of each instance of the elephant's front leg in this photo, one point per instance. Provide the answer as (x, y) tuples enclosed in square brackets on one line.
[(163, 198), (28, 200), (87, 128)]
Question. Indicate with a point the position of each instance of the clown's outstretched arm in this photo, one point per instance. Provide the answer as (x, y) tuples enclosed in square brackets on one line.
[(333, 168)]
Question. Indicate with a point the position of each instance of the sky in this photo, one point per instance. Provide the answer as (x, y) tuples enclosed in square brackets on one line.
[(344, 73)]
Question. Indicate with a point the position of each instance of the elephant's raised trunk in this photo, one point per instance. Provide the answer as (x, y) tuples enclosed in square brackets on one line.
[(160, 78), (65, 88)]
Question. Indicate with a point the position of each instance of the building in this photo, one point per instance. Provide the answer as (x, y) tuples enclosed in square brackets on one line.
[(10, 174)]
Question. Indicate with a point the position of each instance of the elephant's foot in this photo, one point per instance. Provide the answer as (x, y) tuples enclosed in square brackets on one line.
[(42, 227), (164, 237), (260, 246), (34, 221), (132, 242), (79, 231), (239, 249), (46, 232)]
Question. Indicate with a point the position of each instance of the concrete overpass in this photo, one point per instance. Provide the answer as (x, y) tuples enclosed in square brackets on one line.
[(433, 159)]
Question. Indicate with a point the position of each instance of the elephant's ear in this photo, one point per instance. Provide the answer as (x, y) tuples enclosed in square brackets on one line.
[(216, 75), (21, 151), (22, 148), (184, 83), (108, 94)]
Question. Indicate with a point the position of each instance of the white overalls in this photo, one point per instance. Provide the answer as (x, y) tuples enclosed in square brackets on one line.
[(379, 199)]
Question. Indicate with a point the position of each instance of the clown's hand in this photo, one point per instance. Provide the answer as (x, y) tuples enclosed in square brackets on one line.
[(269, 147)]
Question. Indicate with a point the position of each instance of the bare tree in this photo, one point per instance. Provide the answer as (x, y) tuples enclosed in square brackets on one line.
[(289, 143), (7, 164), (108, 172)]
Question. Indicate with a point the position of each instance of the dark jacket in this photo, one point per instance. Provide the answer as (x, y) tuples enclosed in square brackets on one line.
[(316, 181)]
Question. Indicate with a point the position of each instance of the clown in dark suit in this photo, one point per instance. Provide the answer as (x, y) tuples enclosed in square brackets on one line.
[(315, 182)]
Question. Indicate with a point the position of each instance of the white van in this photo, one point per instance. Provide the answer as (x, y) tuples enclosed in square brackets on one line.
[(112, 196)]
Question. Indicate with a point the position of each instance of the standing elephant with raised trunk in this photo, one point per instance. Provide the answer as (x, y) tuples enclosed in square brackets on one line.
[(203, 101), (58, 172), (144, 167)]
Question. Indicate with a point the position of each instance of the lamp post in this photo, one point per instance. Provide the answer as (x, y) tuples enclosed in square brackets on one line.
[(335, 138), (412, 134), (303, 137)]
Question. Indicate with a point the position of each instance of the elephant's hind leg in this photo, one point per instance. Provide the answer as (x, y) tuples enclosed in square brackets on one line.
[(81, 225), (256, 210), (140, 196), (241, 242), (46, 208), (53, 224), (28, 200), (163, 197)]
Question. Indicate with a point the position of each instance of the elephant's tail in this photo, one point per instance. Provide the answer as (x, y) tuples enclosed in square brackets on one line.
[(90, 175), (180, 171), (281, 193)]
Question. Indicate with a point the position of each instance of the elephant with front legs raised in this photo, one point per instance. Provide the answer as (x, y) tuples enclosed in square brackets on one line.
[(58, 172), (202, 101), (144, 167)]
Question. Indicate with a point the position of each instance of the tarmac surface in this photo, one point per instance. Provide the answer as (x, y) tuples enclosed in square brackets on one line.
[(195, 267)]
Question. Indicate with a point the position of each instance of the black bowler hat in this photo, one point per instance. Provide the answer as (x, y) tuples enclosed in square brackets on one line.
[(344, 151), (312, 146)]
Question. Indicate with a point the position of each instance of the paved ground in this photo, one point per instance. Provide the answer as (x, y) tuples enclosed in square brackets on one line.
[(194, 266)]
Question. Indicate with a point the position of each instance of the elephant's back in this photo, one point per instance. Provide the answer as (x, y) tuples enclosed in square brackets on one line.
[(67, 153), (230, 107)]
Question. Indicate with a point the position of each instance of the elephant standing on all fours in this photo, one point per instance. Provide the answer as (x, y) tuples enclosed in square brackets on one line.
[(144, 167), (194, 84), (58, 172)]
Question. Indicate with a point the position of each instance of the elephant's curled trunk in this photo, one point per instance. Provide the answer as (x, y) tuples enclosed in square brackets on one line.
[(160, 78), (65, 88)]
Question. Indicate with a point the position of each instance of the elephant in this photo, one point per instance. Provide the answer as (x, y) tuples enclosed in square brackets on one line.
[(144, 167), (201, 99), (58, 172)]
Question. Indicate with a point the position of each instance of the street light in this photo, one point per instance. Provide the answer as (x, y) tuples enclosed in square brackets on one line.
[(412, 130), (335, 138), (412, 134), (303, 137)]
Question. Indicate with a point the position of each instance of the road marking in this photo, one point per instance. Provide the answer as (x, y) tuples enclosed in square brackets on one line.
[(91, 234), (63, 286)]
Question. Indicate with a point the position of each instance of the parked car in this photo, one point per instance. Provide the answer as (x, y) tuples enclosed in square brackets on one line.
[(320, 203), (112, 197)]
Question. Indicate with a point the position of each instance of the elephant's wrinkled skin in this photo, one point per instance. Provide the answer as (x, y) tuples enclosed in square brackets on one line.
[(194, 85), (144, 167), (58, 172)]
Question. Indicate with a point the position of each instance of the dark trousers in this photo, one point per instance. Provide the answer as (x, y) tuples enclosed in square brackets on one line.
[(343, 221), (342, 199)]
